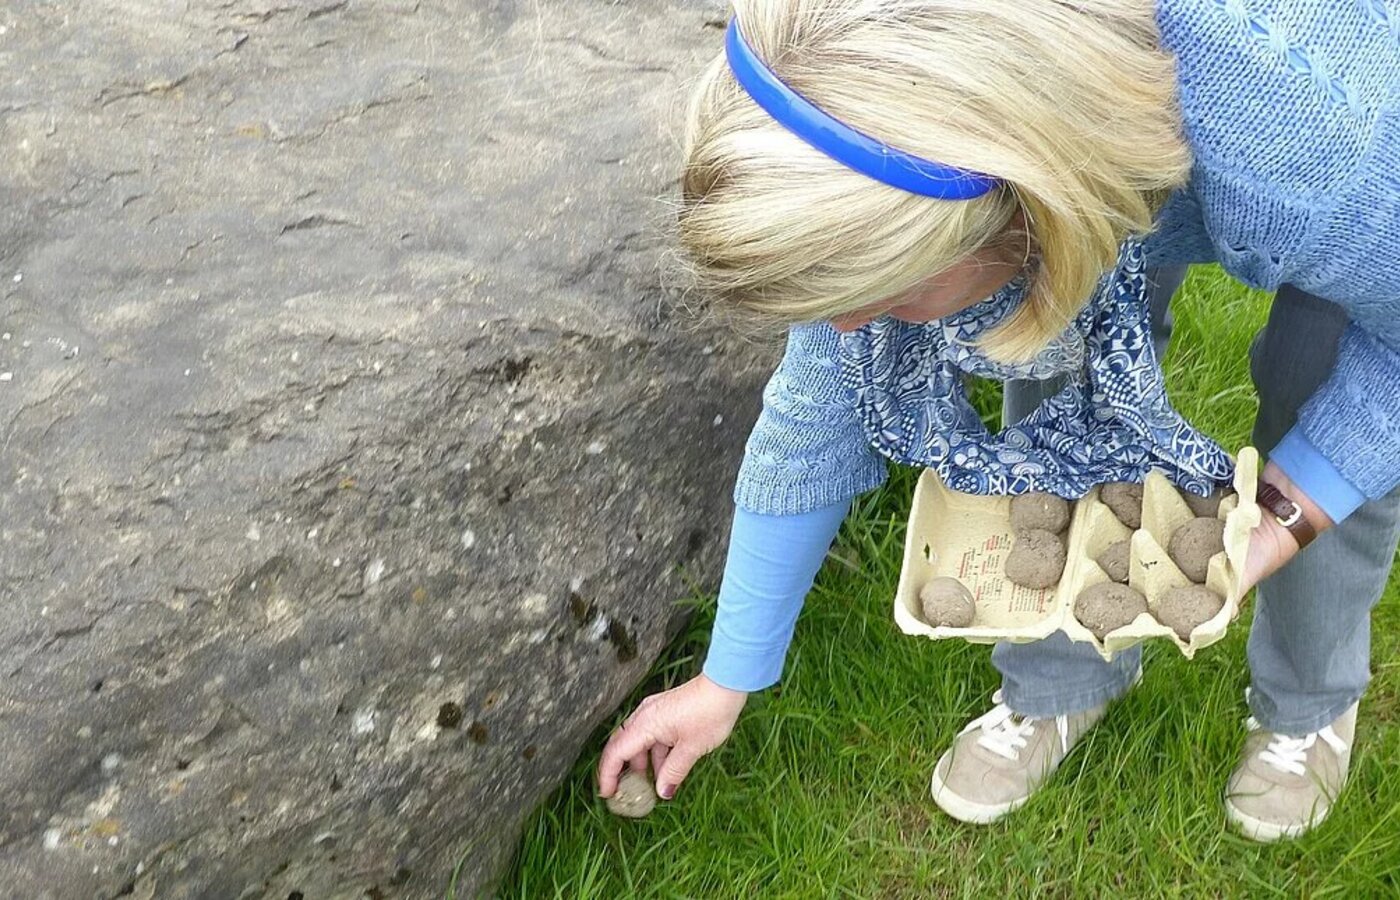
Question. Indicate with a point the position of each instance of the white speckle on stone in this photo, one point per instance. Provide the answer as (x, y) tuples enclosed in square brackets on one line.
[(113, 841), (304, 665), (600, 628), (187, 373), (719, 420), (111, 762), (429, 732), (311, 535), (253, 586), (468, 539), (538, 635), (19, 276), (378, 366), (373, 573), (4, 30), (6, 376), (450, 615), (5, 336), (364, 721), (535, 604), (52, 837), (576, 584), (25, 343), (254, 533), (707, 350), (169, 281), (296, 356), (309, 406), (85, 732), (323, 837), (436, 661), (140, 866), (335, 563), (595, 448)]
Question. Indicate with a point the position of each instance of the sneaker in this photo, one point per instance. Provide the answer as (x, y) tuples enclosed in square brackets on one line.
[(1287, 785), (999, 760)]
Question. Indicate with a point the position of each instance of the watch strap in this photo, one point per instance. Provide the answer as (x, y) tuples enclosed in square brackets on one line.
[(1287, 512)]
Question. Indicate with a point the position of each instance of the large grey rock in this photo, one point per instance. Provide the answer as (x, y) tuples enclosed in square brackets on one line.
[(350, 448)]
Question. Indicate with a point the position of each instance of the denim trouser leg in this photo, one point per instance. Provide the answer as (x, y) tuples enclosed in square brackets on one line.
[(1310, 644), (1057, 676)]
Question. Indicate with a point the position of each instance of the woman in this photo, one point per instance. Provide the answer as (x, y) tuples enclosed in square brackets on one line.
[(858, 162)]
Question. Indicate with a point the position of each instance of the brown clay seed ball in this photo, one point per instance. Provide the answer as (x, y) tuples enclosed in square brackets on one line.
[(1114, 561), (1125, 499), (1037, 559), (946, 601), (1204, 506), (634, 797), (1104, 607), (1039, 510), (1193, 544), (1183, 608)]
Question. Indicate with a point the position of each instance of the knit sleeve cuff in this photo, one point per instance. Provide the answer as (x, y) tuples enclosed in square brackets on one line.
[(793, 497), (1315, 475), (1353, 420)]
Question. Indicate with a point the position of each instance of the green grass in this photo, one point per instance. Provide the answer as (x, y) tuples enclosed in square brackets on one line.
[(822, 790)]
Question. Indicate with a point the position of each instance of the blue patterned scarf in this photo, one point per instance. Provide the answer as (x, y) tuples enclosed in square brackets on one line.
[(1111, 422)]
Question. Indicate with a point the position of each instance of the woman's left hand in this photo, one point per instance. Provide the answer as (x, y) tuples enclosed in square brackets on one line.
[(1271, 545)]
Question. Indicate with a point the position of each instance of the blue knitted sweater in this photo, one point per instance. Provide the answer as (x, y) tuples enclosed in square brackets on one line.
[(1292, 111)]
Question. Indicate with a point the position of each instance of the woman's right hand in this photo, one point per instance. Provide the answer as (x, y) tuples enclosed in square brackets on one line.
[(675, 728)]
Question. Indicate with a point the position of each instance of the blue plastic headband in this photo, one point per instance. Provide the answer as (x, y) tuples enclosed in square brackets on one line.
[(850, 147)]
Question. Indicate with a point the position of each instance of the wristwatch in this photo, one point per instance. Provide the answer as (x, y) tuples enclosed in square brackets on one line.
[(1288, 513)]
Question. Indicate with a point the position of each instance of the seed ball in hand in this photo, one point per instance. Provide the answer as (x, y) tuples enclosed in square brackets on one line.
[(1106, 606), (1182, 609), (1193, 544), (1125, 499), (1039, 510), (1037, 559), (946, 601), (1114, 560), (1208, 506), (634, 797)]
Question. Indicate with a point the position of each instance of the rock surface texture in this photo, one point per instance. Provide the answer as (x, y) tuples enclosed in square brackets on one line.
[(352, 454)]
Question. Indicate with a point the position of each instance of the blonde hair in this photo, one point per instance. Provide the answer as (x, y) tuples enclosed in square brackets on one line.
[(1071, 104)]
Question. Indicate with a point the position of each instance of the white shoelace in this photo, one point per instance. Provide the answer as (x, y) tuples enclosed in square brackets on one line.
[(1288, 754), (1006, 734)]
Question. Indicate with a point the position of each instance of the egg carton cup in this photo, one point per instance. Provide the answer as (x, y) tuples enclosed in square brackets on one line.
[(968, 537)]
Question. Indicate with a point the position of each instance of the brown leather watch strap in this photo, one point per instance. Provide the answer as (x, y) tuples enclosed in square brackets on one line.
[(1288, 513)]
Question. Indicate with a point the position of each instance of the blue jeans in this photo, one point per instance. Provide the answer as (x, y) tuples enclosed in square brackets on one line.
[(1310, 643)]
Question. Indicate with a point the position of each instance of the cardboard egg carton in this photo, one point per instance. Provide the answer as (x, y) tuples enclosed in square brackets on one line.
[(968, 537)]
